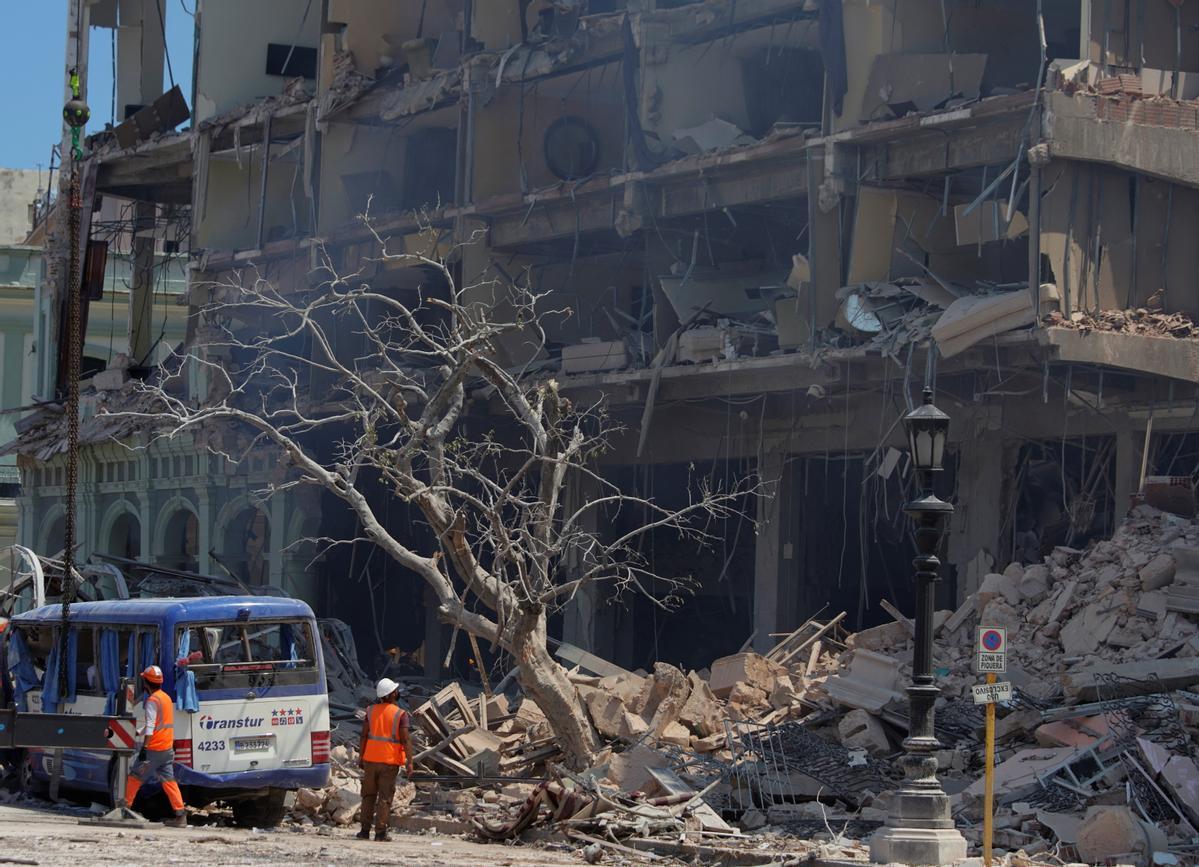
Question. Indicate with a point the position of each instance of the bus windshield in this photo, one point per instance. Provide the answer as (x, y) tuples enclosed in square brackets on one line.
[(248, 654)]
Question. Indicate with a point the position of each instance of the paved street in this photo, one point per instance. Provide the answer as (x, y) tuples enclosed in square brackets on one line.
[(46, 835)]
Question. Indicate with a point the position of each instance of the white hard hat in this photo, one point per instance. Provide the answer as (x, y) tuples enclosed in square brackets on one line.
[(385, 687)]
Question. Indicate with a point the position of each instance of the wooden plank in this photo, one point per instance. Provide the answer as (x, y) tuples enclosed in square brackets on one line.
[(898, 615), (819, 634), (813, 657)]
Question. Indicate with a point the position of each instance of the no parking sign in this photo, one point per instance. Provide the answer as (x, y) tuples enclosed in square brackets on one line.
[(992, 649)]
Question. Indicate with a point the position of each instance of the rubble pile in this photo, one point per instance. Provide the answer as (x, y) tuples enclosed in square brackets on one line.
[(1136, 321), (1103, 729), (1100, 734)]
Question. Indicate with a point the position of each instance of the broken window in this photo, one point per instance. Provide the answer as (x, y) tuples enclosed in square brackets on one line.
[(248, 653)]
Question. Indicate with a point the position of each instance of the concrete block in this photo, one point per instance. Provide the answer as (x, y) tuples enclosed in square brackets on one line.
[(1034, 583), (861, 731), (606, 709), (627, 687), (1116, 833), (701, 712), (664, 695), (1158, 572), (751, 668), (676, 734)]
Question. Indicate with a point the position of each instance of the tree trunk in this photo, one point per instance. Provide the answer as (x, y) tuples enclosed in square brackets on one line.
[(546, 682)]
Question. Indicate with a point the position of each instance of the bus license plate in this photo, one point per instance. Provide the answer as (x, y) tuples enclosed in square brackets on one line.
[(251, 745)]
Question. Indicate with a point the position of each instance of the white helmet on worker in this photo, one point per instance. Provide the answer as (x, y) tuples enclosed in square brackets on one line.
[(385, 687)]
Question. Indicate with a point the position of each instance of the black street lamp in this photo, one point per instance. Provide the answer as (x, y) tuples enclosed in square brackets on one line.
[(919, 828)]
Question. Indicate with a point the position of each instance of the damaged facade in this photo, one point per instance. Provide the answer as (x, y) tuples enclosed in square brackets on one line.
[(772, 220)]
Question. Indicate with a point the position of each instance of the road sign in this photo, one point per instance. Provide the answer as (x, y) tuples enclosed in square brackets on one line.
[(989, 693), (992, 649), (122, 734)]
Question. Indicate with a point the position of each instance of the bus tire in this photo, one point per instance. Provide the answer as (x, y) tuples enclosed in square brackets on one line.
[(27, 782), (264, 812)]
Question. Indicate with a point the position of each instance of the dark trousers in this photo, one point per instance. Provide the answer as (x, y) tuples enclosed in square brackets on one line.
[(378, 791)]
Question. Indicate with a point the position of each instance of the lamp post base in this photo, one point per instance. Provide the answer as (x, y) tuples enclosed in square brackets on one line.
[(919, 831)]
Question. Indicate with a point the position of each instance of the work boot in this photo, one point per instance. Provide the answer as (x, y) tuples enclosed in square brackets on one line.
[(179, 820), (364, 834), (381, 835)]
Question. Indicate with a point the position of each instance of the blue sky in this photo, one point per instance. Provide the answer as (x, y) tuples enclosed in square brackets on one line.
[(32, 46)]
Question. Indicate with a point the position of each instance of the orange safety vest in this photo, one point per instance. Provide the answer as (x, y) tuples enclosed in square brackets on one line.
[(163, 736), (383, 745)]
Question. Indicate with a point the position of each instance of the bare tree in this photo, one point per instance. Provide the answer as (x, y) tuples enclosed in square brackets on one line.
[(491, 486)]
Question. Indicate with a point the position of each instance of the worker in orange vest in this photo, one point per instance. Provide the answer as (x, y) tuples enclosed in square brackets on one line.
[(158, 748), (383, 750)]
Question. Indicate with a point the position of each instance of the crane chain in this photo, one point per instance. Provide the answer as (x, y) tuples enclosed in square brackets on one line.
[(74, 362)]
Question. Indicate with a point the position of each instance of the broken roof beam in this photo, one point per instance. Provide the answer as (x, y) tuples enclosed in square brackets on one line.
[(1164, 356), (990, 142), (694, 185), (713, 19), (1075, 131)]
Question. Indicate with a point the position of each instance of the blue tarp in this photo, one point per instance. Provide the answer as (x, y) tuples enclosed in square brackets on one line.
[(24, 675), (50, 696), (185, 680), (110, 668)]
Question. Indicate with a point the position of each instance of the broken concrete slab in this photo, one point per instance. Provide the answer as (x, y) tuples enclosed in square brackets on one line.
[(1106, 682), (629, 771), (1063, 825), (870, 682), (1085, 631), (1082, 732), (1181, 777), (977, 317), (1022, 772)]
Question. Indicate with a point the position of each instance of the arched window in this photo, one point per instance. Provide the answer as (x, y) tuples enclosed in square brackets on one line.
[(125, 537), (181, 541)]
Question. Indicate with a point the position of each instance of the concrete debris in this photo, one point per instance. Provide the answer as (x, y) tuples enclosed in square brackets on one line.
[(1117, 833), (1137, 321)]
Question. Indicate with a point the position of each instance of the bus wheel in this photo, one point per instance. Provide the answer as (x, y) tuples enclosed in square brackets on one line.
[(264, 812), (28, 783)]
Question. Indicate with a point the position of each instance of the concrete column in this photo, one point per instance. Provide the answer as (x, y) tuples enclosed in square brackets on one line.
[(204, 539), (767, 616), (140, 54), (435, 645), (978, 515), (580, 618), (1130, 449), (277, 512)]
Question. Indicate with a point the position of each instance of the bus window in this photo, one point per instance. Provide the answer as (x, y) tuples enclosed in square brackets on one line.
[(231, 655), (87, 667)]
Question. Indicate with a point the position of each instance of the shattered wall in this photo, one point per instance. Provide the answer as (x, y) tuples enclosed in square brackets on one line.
[(231, 51)]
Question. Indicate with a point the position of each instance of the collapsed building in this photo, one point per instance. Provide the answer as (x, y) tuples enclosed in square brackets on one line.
[(773, 221)]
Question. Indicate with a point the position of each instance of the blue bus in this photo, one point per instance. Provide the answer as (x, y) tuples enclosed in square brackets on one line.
[(246, 672)]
